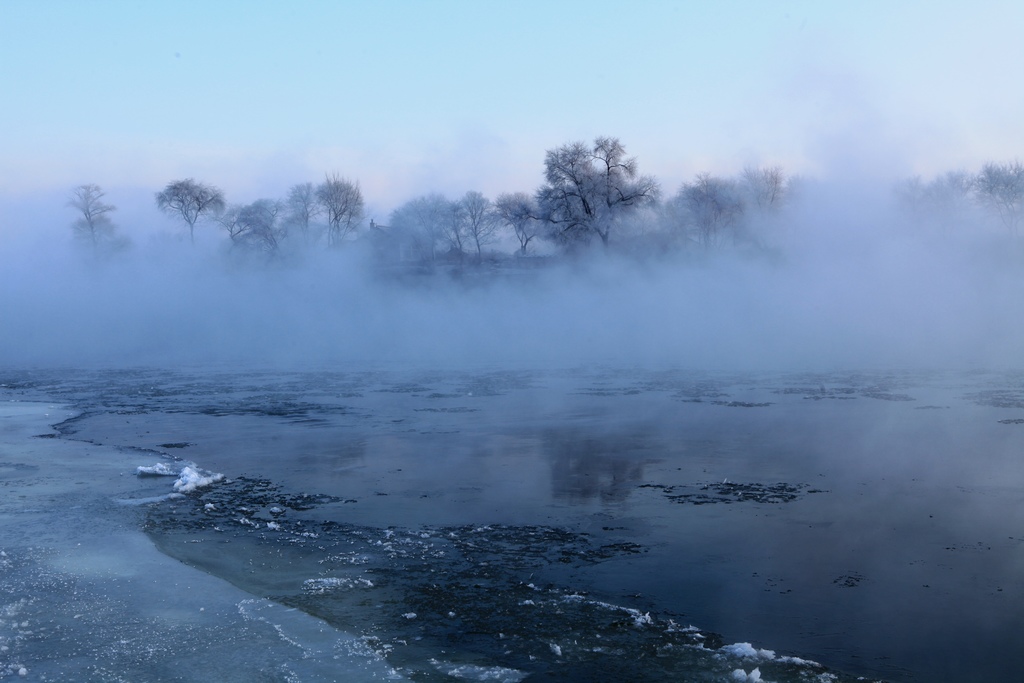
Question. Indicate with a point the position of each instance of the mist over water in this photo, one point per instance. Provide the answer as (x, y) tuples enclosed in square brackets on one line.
[(600, 407), (841, 280)]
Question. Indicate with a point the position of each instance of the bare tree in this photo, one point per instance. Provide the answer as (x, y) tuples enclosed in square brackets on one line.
[(462, 223), (765, 186), (228, 219), (952, 185), (590, 189), (1000, 187), (910, 196), (480, 220), (255, 226), (190, 201), (342, 203), (945, 202), (452, 228), (419, 221), (949, 198), (93, 225), (303, 208), (711, 205), (518, 211)]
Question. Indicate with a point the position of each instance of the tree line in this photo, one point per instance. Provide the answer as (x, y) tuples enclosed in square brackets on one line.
[(591, 194), (951, 200)]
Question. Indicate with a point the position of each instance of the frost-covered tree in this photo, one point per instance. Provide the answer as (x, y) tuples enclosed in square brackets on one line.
[(94, 225), (452, 227), (1000, 188), (303, 208), (256, 226), (480, 220), (591, 189), (190, 201), (910, 195), (945, 202), (709, 207), (342, 203), (518, 211), (228, 219), (420, 222), (764, 186)]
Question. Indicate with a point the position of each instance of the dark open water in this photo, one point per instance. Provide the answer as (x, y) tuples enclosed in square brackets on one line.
[(601, 524)]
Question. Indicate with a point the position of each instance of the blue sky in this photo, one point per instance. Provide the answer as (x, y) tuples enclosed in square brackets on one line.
[(410, 97)]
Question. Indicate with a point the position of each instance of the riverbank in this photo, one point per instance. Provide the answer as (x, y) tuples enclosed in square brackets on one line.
[(87, 596)]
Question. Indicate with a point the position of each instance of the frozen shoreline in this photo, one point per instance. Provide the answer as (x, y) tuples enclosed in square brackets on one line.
[(135, 618), (87, 596)]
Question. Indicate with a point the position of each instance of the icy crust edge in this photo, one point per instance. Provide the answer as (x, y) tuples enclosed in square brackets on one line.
[(429, 580), (192, 478), (161, 469), (189, 478)]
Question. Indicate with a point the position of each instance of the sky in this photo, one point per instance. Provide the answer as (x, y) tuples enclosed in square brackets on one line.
[(413, 97)]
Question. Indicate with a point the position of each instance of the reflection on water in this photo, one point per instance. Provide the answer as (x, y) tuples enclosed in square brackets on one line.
[(585, 467)]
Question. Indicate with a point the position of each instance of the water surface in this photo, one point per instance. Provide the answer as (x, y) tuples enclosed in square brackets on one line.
[(587, 524)]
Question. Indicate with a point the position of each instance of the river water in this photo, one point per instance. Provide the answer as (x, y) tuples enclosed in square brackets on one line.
[(493, 524)]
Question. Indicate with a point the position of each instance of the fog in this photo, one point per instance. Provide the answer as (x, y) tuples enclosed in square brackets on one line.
[(840, 279), (841, 291)]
